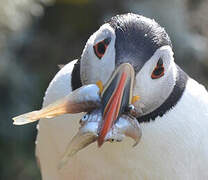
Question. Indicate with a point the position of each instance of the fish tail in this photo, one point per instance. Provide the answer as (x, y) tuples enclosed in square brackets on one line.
[(26, 118)]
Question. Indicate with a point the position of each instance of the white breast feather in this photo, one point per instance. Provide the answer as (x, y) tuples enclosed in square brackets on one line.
[(172, 147)]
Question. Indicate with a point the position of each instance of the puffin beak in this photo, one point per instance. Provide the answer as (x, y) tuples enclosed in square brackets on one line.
[(116, 97)]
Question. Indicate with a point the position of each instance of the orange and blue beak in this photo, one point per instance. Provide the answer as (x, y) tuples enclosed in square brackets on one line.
[(116, 97)]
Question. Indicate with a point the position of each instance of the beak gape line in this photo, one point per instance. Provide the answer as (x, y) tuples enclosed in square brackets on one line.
[(115, 98)]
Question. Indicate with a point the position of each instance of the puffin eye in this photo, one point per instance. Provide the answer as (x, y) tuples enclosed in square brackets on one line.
[(100, 47), (159, 70)]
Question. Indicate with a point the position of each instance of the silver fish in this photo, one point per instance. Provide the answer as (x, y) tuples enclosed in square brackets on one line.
[(83, 99), (88, 133)]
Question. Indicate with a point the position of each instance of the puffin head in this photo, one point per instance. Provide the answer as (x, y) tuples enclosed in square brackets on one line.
[(131, 57), (145, 45)]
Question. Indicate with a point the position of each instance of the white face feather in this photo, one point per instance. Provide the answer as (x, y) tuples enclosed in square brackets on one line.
[(153, 92), (92, 68)]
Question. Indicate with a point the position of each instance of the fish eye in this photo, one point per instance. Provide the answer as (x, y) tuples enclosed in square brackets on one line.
[(85, 117)]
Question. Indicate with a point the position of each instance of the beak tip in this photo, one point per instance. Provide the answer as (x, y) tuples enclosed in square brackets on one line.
[(100, 141)]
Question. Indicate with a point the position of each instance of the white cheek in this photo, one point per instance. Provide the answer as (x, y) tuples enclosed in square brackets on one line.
[(107, 64), (94, 69), (153, 92), (143, 86)]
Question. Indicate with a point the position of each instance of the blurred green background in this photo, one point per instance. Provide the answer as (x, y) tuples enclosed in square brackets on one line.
[(37, 35)]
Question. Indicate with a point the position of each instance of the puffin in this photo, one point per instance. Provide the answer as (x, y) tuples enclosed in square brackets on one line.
[(173, 109)]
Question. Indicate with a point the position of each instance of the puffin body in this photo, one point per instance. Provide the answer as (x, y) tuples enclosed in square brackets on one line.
[(174, 110), (173, 146)]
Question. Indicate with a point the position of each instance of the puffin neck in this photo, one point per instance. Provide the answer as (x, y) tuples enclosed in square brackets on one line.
[(76, 79), (172, 99)]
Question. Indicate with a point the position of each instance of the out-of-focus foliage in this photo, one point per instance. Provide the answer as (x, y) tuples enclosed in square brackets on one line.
[(77, 2), (37, 35)]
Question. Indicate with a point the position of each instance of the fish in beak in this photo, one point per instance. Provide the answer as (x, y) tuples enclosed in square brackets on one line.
[(83, 99), (115, 98), (88, 133), (108, 117), (87, 98)]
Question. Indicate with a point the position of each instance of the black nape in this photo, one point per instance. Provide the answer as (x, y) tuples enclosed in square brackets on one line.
[(76, 80)]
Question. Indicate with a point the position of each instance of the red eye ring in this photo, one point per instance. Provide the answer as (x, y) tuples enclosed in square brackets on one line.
[(159, 70), (100, 47)]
